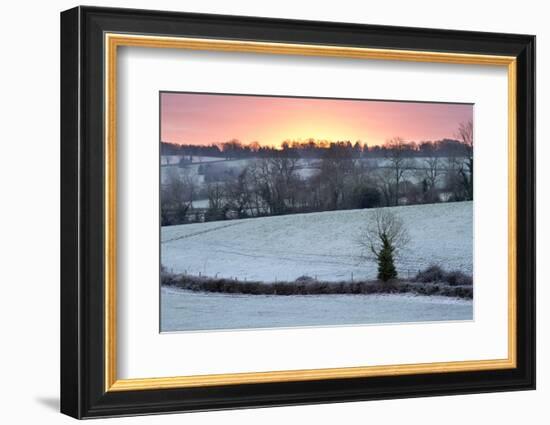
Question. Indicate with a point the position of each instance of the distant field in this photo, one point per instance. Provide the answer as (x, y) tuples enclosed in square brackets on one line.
[(320, 245), (175, 159), (306, 168)]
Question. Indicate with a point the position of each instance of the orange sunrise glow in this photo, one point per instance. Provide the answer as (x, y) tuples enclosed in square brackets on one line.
[(204, 119)]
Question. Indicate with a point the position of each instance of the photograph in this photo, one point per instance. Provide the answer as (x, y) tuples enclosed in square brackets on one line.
[(281, 210), (286, 211)]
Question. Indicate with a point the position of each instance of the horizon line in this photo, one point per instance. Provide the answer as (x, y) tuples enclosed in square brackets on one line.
[(320, 144)]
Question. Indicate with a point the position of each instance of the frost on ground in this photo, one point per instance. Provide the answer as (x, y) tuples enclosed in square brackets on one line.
[(192, 311), (321, 245)]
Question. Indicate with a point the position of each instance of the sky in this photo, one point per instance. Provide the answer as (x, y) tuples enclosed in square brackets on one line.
[(204, 119)]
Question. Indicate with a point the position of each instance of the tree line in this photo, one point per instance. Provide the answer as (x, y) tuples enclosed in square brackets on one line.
[(312, 148), (278, 184)]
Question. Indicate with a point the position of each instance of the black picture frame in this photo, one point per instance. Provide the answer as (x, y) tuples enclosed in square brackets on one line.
[(83, 392)]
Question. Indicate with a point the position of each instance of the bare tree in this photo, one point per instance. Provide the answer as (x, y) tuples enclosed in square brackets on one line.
[(460, 165), (177, 197), (385, 184), (383, 239), (396, 149), (284, 171), (333, 174), (216, 195), (266, 185), (431, 172), (453, 180), (239, 194), (276, 182), (337, 169), (255, 181), (466, 135)]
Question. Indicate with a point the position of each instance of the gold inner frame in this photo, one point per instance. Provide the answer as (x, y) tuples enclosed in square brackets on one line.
[(113, 41)]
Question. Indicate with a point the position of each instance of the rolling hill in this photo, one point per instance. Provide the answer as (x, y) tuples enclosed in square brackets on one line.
[(321, 245)]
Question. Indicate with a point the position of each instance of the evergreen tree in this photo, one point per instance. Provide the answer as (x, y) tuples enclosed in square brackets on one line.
[(386, 267)]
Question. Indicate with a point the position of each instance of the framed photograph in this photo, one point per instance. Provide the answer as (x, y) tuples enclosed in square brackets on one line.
[(261, 212)]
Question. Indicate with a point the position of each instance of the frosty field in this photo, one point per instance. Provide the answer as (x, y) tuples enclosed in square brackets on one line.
[(191, 311), (321, 245)]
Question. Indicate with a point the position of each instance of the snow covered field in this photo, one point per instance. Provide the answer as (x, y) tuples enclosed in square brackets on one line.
[(320, 245), (190, 311)]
